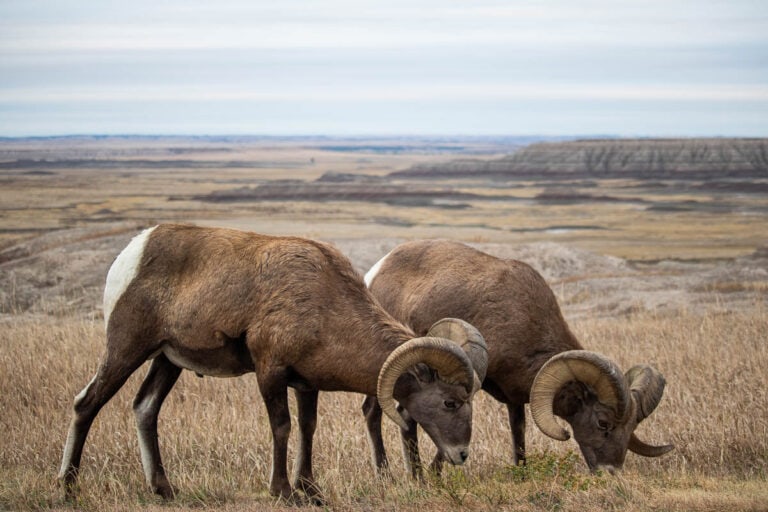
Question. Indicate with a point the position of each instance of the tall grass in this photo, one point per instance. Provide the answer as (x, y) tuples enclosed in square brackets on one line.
[(216, 442)]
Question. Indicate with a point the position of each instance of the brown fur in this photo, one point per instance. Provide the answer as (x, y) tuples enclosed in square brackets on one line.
[(516, 312), (223, 302)]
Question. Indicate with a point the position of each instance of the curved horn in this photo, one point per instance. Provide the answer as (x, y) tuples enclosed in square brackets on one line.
[(646, 450), (446, 357), (468, 338), (646, 384), (596, 371)]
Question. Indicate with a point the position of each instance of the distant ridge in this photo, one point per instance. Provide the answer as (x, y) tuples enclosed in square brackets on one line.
[(607, 158)]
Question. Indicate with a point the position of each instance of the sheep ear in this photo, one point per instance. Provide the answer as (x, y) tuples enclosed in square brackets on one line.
[(423, 373), (570, 399), (414, 379)]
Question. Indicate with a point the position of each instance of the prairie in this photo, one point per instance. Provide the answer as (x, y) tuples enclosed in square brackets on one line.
[(681, 288)]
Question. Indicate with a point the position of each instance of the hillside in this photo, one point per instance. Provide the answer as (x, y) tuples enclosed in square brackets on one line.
[(615, 158)]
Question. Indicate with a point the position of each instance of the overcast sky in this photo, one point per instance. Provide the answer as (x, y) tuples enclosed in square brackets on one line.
[(336, 67)]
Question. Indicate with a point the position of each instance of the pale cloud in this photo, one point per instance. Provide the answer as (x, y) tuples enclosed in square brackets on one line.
[(337, 24), (404, 93), (705, 59)]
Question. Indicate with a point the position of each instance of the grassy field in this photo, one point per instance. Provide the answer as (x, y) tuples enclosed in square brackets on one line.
[(214, 433), (216, 442)]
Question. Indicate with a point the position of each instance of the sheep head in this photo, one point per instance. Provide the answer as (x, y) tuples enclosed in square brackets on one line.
[(602, 406), (435, 379)]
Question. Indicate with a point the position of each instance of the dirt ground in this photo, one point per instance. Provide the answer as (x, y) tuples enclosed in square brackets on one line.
[(64, 272)]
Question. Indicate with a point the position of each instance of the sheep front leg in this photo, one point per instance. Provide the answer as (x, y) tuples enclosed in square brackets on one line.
[(274, 389), (303, 476), (410, 441), (436, 467), (372, 412), (517, 425)]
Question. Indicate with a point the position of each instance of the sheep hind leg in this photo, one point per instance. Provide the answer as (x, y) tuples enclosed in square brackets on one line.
[(304, 479), (517, 425), (157, 384), (112, 373)]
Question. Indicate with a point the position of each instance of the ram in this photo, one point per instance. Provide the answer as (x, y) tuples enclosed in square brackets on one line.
[(223, 302), (532, 353)]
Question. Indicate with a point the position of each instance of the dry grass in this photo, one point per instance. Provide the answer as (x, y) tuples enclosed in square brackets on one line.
[(216, 442), (214, 433)]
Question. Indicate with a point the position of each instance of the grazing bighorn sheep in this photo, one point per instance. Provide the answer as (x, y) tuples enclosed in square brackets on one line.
[(531, 351), (223, 302)]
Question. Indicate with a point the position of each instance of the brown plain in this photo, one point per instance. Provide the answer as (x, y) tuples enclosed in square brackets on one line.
[(681, 288)]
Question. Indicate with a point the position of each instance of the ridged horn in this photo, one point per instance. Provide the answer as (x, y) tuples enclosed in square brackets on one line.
[(646, 384), (599, 373), (469, 339), (444, 356), (646, 450)]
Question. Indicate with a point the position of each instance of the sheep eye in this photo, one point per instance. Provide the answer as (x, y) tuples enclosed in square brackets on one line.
[(449, 404), (603, 425)]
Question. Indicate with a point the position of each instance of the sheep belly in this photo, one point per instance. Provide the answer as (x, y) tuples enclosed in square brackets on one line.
[(229, 359)]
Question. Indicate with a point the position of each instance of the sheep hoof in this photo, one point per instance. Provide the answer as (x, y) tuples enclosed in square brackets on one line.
[(311, 491), (288, 496), (295, 499), (167, 491), (71, 489)]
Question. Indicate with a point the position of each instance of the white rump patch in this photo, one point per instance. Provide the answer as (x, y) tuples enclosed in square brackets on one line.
[(371, 274), (123, 270)]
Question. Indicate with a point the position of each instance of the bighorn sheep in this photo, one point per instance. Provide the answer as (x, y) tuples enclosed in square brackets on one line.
[(532, 352), (223, 302)]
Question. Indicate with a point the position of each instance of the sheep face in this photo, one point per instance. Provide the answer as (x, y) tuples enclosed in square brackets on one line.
[(603, 439), (443, 410), (602, 405), (434, 379)]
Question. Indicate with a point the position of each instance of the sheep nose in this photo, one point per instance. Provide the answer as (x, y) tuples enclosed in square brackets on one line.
[(463, 454)]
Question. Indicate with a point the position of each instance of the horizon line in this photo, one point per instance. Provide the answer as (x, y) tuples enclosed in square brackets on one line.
[(424, 136)]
